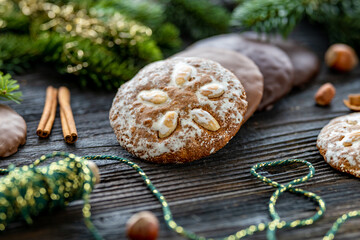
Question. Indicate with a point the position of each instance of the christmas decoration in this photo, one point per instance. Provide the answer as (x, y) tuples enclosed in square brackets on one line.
[(197, 19), (341, 18), (79, 42), (102, 43)]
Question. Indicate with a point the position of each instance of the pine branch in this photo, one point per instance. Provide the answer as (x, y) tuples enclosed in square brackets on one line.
[(167, 37), (197, 19), (148, 12), (11, 19), (18, 52), (8, 89), (98, 41), (341, 18), (268, 16), (101, 53), (93, 65)]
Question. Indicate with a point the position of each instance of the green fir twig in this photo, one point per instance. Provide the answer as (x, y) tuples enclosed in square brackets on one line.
[(9, 89)]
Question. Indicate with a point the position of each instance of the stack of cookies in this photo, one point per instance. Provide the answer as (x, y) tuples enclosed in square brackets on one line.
[(283, 64), (190, 106)]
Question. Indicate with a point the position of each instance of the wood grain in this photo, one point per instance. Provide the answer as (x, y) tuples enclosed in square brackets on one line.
[(214, 196)]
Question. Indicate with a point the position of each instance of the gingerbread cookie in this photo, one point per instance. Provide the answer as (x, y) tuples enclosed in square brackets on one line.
[(273, 63), (305, 63), (12, 131), (243, 68), (178, 110), (339, 143)]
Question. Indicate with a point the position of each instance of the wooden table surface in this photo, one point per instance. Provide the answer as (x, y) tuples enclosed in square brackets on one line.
[(214, 196)]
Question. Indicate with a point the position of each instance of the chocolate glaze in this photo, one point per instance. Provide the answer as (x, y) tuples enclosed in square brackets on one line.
[(12, 131), (273, 63), (305, 63)]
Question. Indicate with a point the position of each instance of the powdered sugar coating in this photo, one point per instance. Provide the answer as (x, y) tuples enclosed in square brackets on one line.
[(338, 146), (137, 124)]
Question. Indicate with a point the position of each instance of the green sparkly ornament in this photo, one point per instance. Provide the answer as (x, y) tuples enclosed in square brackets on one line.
[(30, 190)]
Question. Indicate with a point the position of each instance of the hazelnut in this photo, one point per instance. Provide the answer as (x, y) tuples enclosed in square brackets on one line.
[(341, 57), (142, 226), (353, 102), (325, 94)]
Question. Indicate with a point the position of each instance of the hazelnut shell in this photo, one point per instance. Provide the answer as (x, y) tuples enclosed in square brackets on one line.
[(142, 226), (341, 57), (353, 102)]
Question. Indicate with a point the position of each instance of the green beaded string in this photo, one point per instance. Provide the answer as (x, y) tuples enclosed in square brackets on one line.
[(341, 220), (277, 223), (272, 226), (26, 191)]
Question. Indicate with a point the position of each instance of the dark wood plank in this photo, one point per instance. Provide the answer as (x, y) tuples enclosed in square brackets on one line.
[(214, 196)]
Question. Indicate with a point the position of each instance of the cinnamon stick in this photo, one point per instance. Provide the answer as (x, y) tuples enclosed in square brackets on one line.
[(66, 116), (49, 112)]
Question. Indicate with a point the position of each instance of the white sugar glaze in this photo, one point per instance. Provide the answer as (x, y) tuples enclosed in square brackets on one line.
[(333, 137)]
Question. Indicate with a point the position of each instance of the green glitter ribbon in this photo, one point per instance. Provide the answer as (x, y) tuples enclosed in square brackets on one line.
[(29, 190)]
